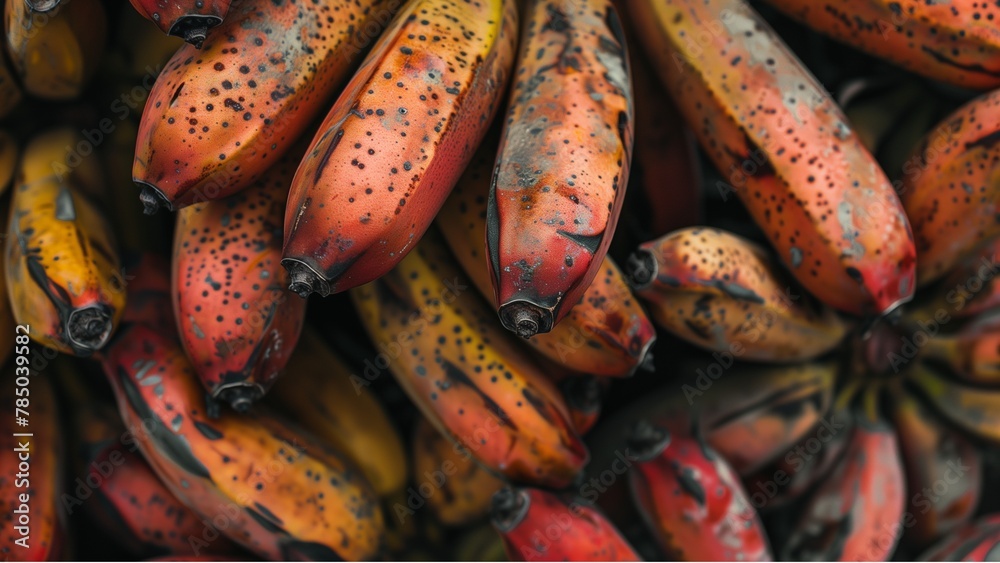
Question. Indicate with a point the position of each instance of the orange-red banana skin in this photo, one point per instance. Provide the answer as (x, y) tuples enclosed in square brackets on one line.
[(856, 512), (724, 293), (397, 141), (41, 485), (934, 451), (467, 487), (466, 374), (951, 189), (127, 500), (284, 496), (218, 117), (785, 149), (187, 19), (976, 541), (537, 525), (955, 42), (237, 320), (562, 167), (692, 501), (606, 333)]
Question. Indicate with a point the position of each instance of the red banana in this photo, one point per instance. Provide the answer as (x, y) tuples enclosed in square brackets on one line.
[(785, 150), (31, 481), (563, 163), (954, 41), (951, 187), (238, 321), (538, 525), (855, 513), (218, 117), (691, 500), (396, 142)]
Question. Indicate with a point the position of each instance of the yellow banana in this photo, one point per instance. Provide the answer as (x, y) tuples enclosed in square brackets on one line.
[(10, 90), (450, 354), (62, 267), (56, 53), (459, 489), (317, 391), (723, 293)]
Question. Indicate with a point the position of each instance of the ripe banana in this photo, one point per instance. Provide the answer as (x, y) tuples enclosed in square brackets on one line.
[(238, 321), (62, 269), (976, 541), (217, 118), (755, 414), (471, 381), (975, 409), (951, 186), (692, 500), (280, 494), (396, 142), (318, 391), (785, 150), (606, 333), (538, 525), (117, 488), (32, 479), (954, 42), (855, 513), (55, 53), (934, 453), (723, 293), (803, 465), (562, 168), (188, 19), (460, 489)]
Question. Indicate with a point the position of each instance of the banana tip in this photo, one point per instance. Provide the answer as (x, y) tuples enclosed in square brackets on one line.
[(42, 6), (303, 280), (646, 441), (152, 199), (241, 397), (194, 28), (525, 319), (89, 328), (508, 508), (640, 269)]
